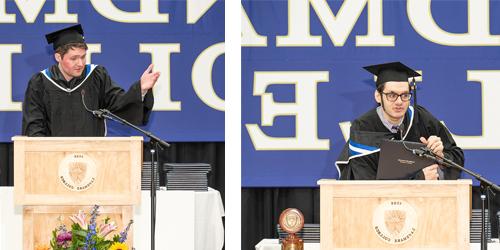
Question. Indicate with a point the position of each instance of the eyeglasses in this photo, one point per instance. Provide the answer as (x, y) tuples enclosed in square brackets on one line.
[(392, 97)]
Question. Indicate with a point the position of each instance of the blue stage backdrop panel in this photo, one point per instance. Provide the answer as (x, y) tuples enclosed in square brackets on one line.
[(303, 80), (184, 39)]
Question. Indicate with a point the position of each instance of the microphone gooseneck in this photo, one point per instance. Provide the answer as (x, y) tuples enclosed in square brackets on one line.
[(83, 101), (99, 113), (401, 130)]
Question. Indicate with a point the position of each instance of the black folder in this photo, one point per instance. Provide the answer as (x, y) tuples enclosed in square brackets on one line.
[(397, 161)]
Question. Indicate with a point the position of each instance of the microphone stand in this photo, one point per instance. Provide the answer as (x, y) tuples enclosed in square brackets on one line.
[(156, 143), (486, 185)]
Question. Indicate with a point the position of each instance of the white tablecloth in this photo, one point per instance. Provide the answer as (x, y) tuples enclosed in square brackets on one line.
[(204, 225), (273, 244)]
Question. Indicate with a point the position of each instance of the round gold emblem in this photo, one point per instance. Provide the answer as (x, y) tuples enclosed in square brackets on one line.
[(291, 220), (395, 221), (77, 172)]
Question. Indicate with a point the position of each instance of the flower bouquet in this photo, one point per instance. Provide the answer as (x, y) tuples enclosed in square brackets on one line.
[(89, 236)]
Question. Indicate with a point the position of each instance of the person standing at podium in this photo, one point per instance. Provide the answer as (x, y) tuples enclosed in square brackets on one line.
[(394, 118), (59, 100)]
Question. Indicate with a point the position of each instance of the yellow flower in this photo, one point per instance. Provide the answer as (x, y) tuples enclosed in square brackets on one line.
[(118, 246)]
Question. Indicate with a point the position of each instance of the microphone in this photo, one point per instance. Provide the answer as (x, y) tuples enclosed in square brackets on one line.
[(419, 151), (427, 153)]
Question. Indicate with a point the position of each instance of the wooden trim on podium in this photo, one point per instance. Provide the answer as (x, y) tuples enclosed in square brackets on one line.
[(135, 173), (438, 211), (19, 161), (28, 229)]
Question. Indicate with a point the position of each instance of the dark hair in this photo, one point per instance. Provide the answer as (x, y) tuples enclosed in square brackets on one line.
[(380, 87), (63, 49)]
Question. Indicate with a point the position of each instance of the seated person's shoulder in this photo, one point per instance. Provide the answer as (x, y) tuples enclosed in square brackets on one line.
[(36, 81), (421, 109), (366, 121), (100, 71), (98, 68), (36, 77), (424, 115)]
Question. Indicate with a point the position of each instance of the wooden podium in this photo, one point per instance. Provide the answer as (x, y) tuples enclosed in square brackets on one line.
[(395, 214), (57, 176)]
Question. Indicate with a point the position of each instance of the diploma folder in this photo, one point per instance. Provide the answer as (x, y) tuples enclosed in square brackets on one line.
[(397, 161)]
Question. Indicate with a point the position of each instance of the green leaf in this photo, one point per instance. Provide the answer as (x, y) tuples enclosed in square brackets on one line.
[(76, 226), (79, 233), (106, 244)]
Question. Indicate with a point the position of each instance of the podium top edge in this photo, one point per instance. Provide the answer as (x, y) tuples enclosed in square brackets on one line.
[(27, 138), (378, 182)]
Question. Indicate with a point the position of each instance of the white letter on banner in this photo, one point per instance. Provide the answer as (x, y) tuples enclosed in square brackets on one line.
[(149, 12), (28, 8), (337, 26), (160, 57), (490, 138), (420, 16), (93, 48), (298, 26), (6, 51), (249, 37), (31, 8), (202, 76), (61, 14), (304, 109), (196, 9), (4, 17)]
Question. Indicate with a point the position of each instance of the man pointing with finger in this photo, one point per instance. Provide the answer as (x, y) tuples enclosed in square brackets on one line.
[(58, 98), (394, 118)]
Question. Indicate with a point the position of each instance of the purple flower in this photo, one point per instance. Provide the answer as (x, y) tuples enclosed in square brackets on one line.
[(64, 239), (123, 234), (89, 240)]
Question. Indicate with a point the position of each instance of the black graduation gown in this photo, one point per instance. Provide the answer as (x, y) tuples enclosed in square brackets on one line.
[(359, 158), (53, 106)]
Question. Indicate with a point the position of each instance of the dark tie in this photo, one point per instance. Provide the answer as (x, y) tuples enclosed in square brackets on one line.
[(395, 128)]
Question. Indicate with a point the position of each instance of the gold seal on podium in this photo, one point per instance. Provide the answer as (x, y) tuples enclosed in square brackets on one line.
[(292, 221)]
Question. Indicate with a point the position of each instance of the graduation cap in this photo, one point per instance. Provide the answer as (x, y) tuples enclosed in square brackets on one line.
[(394, 71), (73, 34)]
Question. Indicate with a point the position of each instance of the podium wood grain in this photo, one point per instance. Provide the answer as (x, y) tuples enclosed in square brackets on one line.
[(442, 213), (37, 159)]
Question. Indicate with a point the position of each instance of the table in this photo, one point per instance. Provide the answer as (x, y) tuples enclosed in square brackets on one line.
[(273, 244), (181, 215)]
